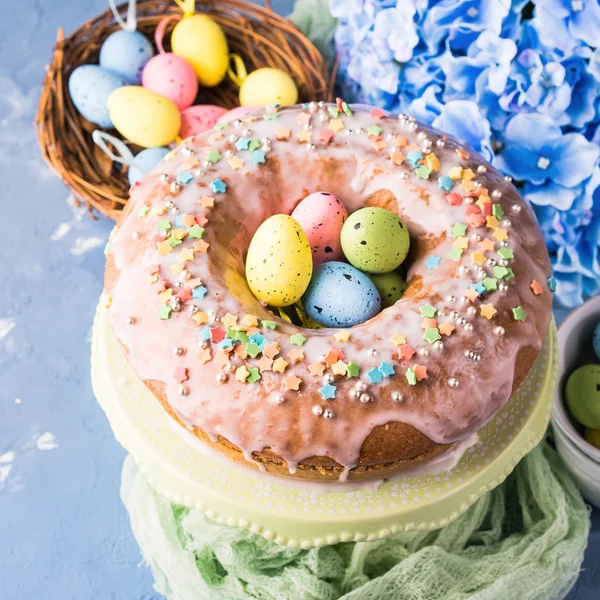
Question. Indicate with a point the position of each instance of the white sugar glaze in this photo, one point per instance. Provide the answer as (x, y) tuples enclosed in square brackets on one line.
[(249, 415)]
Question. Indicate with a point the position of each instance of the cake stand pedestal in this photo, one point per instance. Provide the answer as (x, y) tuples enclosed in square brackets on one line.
[(296, 516)]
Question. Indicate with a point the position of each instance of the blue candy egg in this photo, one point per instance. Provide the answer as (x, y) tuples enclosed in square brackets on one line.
[(126, 53), (596, 341), (145, 161), (339, 295), (89, 87)]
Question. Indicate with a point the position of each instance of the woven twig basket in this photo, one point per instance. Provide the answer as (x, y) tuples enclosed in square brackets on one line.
[(260, 36)]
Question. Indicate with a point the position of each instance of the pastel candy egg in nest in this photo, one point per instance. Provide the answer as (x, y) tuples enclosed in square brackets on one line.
[(321, 216), (582, 394), (201, 42), (126, 53), (239, 112), (144, 162), (171, 77), (279, 261), (339, 295), (375, 240), (200, 118), (144, 117), (90, 87), (390, 286), (268, 86)]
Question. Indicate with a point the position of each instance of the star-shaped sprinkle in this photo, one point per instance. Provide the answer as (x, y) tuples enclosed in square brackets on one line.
[(325, 136), (492, 222), (254, 375), (336, 125), (490, 284), (241, 336), (398, 339), (386, 369), (207, 201), (478, 287), (164, 312), (292, 382), (536, 287), (264, 363), (467, 185), (240, 352), (552, 283), (432, 162), (339, 367), (303, 118), (487, 311), (333, 111), (144, 210), (283, 133), (226, 344), (461, 242), (405, 352), (328, 391), (242, 373), (432, 262), (428, 322), (500, 234), (174, 242), (280, 365), (397, 157), (422, 172), (455, 173), (229, 320), (497, 211), (271, 350), (213, 156), (222, 358), (196, 232), (205, 333), (218, 186), (296, 355), (380, 145), (411, 376), (352, 369), (477, 258), (200, 317), (377, 113), (199, 292), (519, 314), (506, 253), (374, 130), (186, 255), (414, 156), (163, 225), (431, 335), (164, 248), (216, 334), (269, 324), (258, 157), (342, 336), (458, 229), (446, 328), (475, 220), (250, 321), (258, 338), (201, 246), (316, 369), (242, 144), (471, 294), (420, 372), (454, 199), (455, 254), (375, 375), (427, 310), (184, 177), (235, 163), (500, 272), (204, 355), (297, 339)]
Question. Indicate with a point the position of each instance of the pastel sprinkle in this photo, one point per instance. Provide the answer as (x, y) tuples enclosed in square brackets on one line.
[(490, 284), (519, 314), (420, 372), (269, 324), (411, 376), (163, 225), (406, 352), (375, 375), (254, 144), (458, 229), (455, 254), (235, 163), (144, 210), (506, 253), (427, 310), (352, 369), (213, 156), (446, 183), (333, 111), (386, 369), (253, 349), (497, 211), (431, 335), (552, 283), (199, 292), (205, 333), (414, 156), (253, 375), (342, 336), (258, 157), (226, 343), (328, 391), (374, 130), (432, 262), (398, 339), (218, 186), (196, 232), (487, 311), (242, 373), (184, 177), (242, 144), (422, 172), (346, 109), (500, 272), (478, 287), (536, 287), (292, 382), (164, 312), (297, 339)]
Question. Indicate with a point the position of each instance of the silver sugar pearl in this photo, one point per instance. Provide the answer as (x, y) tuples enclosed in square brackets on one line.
[(317, 410), (481, 275), (233, 138), (328, 414), (427, 143), (421, 135), (229, 153), (423, 352), (130, 320), (508, 179), (491, 262), (175, 187), (360, 386), (499, 330), (324, 117), (364, 398), (453, 382), (164, 178), (322, 104), (359, 130), (265, 141), (307, 126), (310, 147), (475, 237), (237, 123), (502, 287), (412, 119), (354, 393), (469, 200), (476, 357), (413, 126), (461, 321), (206, 163), (348, 131), (454, 315), (330, 378), (389, 136), (472, 311), (246, 133), (169, 204), (222, 377), (477, 184), (230, 367), (199, 173), (468, 326), (438, 345), (451, 299), (372, 352), (496, 195), (502, 262), (178, 351), (503, 244), (312, 107), (464, 301), (505, 223), (135, 235), (481, 169), (187, 151), (193, 308), (469, 353), (441, 314), (280, 398), (403, 175), (440, 143), (397, 397), (402, 117), (174, 211), (183, 390), (515, 209), (463, 269)]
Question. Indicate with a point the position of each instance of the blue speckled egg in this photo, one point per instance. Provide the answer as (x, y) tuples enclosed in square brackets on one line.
[(339, 295), (145, 161), (126, 53), (597, 341), (89, 87)]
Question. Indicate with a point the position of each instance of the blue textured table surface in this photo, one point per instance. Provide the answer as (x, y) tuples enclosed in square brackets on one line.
[(64, 533)]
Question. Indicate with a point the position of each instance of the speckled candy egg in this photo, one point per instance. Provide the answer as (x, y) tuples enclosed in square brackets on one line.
[(144, 162), (375, 240), (171, 77), (582, 393), (90, 87), (200, 118), (321, 216), (268, 86), (390, 286), (340, 296), (144, 117), (126, 53), (596, 341), (239, 112), (279, 261)]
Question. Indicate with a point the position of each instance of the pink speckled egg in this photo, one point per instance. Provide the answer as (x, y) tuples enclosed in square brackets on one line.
[(321, 216), (239, 112), (171, 77), (199, 118)]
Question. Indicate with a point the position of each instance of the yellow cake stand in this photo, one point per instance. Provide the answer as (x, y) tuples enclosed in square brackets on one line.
[(298, 517)]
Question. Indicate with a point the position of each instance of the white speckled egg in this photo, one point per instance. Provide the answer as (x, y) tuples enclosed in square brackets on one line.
[(126, 53), (339, 295), (89, 87), (144, 162), (279, 261)]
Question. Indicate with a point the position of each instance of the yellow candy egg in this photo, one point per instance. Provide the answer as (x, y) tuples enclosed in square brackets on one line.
[(201, 42), (143, 117), (592, 436), (279, 261), (268, 86)]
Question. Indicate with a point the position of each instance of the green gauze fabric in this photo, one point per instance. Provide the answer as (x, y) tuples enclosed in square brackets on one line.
[(524, 540)]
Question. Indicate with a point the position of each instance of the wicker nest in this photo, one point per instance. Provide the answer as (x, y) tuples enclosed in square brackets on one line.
[(260, 36)]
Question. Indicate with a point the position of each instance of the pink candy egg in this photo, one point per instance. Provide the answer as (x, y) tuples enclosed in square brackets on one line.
[(200, 118), (171, 77), (239, 112), (321, 216)]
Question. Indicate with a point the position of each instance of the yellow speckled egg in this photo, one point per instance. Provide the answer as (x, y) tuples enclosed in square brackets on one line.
[(279, 262), (143, 117), (201, 42), (268, 86)]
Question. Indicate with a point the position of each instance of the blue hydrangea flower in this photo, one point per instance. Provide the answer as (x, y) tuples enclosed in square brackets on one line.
[(395, 33), (536, 150)]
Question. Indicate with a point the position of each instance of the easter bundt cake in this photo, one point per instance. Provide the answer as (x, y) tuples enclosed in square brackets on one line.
[(261, 381)]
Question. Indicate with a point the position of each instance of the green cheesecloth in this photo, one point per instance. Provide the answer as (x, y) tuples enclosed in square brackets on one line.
[(524, 540)]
